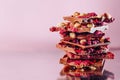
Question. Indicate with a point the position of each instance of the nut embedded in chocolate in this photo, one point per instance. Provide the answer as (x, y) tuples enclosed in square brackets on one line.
[(83, 41), (90, 25), (76, 14), (76, 24), (61, 24), (72, 35)]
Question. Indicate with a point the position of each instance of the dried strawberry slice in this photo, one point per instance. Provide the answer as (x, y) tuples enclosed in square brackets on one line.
[(77, 50), (110, 55), (92, 14), (53, 29)]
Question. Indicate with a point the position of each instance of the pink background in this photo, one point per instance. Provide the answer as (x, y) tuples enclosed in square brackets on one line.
[(27, 47), (24, 24)]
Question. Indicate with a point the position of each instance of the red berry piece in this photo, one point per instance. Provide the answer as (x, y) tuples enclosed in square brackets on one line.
[(53, 29), (107, 39), (74, 30), (91, 14), (77, 50)]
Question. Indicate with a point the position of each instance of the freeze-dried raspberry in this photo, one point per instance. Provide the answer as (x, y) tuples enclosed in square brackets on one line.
[(52, 29)]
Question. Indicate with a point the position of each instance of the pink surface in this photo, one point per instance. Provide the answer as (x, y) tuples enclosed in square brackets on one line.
[(24, 24), (42, 66)]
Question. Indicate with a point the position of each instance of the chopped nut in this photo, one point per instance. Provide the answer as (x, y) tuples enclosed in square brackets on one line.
[(77, 24), (81, 66), (103, 18), (83, 14), (107, 15), (76, 14), (98, 16), (102, 39), (72, 35), (93, 68), (82, 70), (90, 25), (61, 24), (82, 41)]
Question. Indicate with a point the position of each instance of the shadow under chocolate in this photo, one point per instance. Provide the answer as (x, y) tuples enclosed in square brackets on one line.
[(107, 75)]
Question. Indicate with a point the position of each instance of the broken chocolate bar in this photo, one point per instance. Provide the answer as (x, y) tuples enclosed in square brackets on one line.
[(107, 55), (84, 43), (79, 63)]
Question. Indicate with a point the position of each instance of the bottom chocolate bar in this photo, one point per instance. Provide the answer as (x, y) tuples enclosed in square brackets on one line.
[(94, 77), (105, 76), (80, 72)]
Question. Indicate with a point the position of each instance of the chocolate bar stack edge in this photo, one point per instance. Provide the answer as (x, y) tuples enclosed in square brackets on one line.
[(84, 43)]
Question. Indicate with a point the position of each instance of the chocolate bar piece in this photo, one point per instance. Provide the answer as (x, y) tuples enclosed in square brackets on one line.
[(86, 42), (70, 35), (79, 51), (79, 63), (79, 30), (107, 55), (84, 23), (105, 76), (83, 43), (84, 72), (90, 18)]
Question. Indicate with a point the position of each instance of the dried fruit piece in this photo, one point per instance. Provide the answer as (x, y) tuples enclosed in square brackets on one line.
[(91, 14), (107, 39), (52, 29)]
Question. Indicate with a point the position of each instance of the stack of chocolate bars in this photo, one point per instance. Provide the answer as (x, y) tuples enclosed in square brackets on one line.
[(84, 43)]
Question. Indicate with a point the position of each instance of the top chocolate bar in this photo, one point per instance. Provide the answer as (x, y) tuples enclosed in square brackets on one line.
[(84, 22)]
